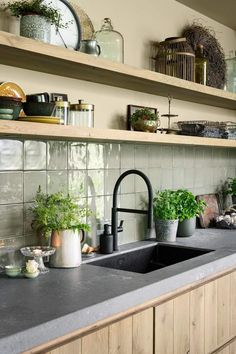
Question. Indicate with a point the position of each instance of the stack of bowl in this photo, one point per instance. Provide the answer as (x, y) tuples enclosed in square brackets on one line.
[(11, 97)]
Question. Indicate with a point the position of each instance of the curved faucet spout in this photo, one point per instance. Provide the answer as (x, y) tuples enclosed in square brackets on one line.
[(115, 209)]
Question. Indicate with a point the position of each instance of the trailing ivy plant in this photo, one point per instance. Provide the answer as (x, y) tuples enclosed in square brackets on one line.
[(58, 212), (188, 206), (35, 7), (166, 205)]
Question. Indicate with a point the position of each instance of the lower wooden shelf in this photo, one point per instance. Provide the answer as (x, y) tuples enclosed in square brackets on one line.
[(60, 132)]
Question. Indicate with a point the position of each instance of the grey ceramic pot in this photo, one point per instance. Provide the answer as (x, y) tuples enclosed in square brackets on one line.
[(166, 230), (186, 228), (36, 27)]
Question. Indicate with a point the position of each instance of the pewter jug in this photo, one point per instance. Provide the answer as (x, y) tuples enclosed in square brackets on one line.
[(90, 46)]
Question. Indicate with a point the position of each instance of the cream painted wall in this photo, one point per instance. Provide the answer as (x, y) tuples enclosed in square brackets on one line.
[(140, 23)]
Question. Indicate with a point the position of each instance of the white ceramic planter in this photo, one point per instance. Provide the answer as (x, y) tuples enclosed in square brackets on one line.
[(68, 249), (36, 27)]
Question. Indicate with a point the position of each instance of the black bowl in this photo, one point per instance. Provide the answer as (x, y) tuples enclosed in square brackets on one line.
[(38, 108)]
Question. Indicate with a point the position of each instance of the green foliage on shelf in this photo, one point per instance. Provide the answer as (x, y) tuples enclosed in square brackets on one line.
[(36, 7), (144, 114)]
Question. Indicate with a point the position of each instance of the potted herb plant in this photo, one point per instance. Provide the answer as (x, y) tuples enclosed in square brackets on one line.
[(36, 18), (231, 188), (188, 209), (59, 215), (145, 120), (165, 211)]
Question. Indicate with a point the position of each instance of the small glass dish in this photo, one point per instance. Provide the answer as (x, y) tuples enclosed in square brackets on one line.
[(38, 252), (12, 271)]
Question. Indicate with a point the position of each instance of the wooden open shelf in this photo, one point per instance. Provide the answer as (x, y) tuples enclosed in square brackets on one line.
[(29, 54), (59, 132)]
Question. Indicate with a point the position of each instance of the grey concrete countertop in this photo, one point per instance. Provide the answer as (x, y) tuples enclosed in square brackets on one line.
[(36, 311)]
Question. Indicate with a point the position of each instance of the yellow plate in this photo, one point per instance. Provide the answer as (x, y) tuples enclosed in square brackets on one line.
[(40, 119)]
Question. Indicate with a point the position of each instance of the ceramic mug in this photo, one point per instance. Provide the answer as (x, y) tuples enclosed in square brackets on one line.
[(90, 46)]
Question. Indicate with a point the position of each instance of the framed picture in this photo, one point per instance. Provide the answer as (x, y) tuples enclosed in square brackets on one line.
[(132, 108)]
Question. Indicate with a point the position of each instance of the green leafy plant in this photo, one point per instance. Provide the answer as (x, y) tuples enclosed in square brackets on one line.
[(231, 189), (166, 205), (144, 114), (36, 7), (58, 212), (188, 206)]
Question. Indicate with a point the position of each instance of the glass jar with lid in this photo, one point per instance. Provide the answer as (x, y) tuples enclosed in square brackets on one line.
[(82, 114), (61, 110), (110, 41)]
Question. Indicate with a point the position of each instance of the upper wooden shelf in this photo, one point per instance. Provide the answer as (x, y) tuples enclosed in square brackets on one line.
[(30, 54), (59, 132)]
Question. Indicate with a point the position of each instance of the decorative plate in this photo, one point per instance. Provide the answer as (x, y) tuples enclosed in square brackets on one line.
[(41, 119)]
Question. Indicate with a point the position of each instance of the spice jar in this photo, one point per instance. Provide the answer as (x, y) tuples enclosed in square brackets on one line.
[(82, 114), (61, 110)]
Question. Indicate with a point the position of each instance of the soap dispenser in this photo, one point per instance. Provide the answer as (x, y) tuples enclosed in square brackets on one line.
[(106, 240)]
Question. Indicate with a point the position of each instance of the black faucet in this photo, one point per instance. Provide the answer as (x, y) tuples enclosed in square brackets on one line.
[(115, 229)]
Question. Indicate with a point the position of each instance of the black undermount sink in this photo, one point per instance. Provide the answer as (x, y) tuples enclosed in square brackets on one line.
[(151, 258)]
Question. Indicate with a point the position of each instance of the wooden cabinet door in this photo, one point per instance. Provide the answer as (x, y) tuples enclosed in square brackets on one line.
[(73, 347), (172, 326)]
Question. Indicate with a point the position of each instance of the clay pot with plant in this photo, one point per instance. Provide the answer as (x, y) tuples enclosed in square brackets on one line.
[(188, 209), (144, 120), (36, 18), (60, 217), (165, 211)]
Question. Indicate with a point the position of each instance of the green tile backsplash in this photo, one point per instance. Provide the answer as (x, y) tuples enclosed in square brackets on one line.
[(89, 171)]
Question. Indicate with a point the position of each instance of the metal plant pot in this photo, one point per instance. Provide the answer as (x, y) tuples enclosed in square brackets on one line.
[(186, 227), (143, 125), (68, 249), (166, 230), (36, 27)]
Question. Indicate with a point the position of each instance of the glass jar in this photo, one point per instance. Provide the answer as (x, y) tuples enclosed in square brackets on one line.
[(111, 42), (61, 110), (82, 114), (231, 72)]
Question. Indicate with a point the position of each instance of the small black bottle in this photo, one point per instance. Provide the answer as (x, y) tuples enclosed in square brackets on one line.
[(106, 241)]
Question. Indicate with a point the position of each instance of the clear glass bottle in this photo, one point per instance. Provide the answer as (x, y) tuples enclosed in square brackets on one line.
[(111, 42), (201, 66), (231, 72)]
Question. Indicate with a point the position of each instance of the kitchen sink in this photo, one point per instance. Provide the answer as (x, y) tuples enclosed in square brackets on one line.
[(150, 258)]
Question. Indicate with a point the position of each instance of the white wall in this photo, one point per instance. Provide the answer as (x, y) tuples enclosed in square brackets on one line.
[(140, 22)]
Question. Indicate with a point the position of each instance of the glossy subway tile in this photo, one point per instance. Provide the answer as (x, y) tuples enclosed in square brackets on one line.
[(11, 154), (56, 155), (32, 181), (77, 155), (34, 155), (11, 187)]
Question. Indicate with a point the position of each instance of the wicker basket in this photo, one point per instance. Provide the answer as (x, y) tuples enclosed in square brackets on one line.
[(175, 58)]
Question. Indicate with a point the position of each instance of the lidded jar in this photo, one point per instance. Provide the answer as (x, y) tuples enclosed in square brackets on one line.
[(82, 114), (61, 110), (110, 41)]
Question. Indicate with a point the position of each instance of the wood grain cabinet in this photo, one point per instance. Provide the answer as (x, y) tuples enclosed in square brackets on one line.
[(200, 321), (132, 335)]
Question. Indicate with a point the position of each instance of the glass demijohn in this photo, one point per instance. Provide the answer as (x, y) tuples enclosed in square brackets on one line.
[(111, 42)]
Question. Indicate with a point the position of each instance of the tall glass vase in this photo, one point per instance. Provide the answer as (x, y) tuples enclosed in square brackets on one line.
[(110, 41)]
